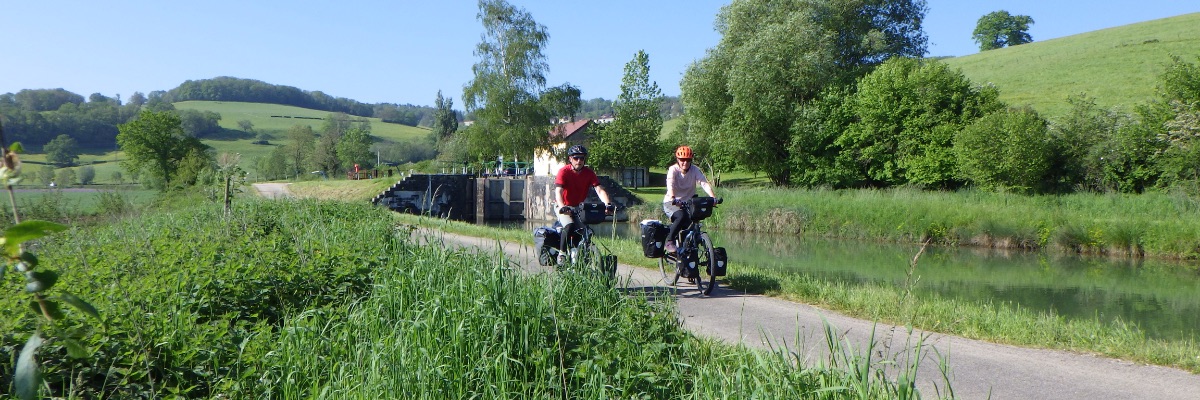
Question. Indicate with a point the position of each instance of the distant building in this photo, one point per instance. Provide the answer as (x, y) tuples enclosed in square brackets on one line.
[(570, 133), (562, 136)]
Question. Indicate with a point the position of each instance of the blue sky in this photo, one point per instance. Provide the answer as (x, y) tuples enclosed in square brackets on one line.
[(404, 51)]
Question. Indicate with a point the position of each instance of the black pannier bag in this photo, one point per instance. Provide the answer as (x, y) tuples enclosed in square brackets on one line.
[(593, 213), (687, 266), (546, 241), (719, 261), (654, 236), (701, 207)]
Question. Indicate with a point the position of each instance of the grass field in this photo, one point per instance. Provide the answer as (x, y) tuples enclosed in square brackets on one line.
[(275, 120), (1117, 66), (267, 118)]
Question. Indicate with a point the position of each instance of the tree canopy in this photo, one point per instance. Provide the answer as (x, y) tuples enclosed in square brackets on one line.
[(999, 29), (155, 144), (62, 151), (509, 83), (777, 57), (632, 138)]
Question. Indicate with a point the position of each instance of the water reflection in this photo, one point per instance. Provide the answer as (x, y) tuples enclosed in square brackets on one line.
[(1161, 297)]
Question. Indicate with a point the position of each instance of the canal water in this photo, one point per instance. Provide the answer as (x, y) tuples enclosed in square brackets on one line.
[(1161, 297)]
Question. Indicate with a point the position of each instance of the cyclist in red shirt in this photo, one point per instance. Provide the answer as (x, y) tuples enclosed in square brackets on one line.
[(571, 186)]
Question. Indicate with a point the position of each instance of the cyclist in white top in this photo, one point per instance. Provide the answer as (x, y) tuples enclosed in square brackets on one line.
[(682, 180)]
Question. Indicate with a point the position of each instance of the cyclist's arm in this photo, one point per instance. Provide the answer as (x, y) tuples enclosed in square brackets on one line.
[(558, 198), (600, 192), (707, 188), (670, 183)]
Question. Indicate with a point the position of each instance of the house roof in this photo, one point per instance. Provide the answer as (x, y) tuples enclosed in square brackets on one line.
[(565, 130)]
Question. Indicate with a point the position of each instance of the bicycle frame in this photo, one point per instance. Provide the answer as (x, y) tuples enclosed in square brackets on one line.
[(592, 254), (695, 244)]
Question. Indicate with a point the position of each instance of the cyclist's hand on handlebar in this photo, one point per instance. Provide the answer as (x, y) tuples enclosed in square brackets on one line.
[(564, 210), (610, 209)]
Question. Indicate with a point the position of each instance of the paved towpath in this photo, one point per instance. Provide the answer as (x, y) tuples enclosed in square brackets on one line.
[(978, 369)]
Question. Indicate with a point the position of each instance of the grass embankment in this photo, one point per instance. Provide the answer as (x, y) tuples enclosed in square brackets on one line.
[(1151, 224), (306, 299)]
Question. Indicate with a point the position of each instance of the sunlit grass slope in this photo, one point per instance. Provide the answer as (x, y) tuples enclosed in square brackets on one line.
[(1117, 66), (275, 120)]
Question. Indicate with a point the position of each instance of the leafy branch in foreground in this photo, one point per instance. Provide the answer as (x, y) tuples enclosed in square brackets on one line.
[(26, 377)]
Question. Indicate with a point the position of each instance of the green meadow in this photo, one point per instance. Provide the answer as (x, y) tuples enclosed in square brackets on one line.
[(275, 120), (1117, 66)]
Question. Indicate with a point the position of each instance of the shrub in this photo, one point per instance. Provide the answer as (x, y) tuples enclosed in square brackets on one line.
[(1005, 150)]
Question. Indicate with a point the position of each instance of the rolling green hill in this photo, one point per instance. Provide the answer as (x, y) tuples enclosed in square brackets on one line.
[(276, 120), (1117, 66)]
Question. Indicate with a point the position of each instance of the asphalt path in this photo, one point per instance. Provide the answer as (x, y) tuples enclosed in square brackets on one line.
[(976, 369)]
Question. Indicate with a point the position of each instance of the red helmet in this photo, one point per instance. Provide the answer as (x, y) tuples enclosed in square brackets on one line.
[(683, 152)]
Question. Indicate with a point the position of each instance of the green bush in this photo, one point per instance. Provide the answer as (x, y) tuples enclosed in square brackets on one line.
[(182, 292), (1006, 150)]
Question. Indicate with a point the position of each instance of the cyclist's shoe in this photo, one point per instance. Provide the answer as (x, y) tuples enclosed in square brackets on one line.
[(670, 246), (562, 259)]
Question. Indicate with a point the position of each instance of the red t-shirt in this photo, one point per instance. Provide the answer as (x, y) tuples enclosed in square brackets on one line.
[(575, 184)]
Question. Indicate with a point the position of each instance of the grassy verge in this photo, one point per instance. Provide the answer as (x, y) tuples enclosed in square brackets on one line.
[(891, 304), (1152, 224), (307, 299)]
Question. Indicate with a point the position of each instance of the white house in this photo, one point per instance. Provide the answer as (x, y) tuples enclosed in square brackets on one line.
[(563, 135)]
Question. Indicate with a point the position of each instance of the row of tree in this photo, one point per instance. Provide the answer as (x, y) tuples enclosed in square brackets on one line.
[(342, 143), (835, 93), (226, 88)]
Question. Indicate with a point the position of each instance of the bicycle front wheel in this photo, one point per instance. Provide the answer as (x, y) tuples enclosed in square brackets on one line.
[(705, 260)]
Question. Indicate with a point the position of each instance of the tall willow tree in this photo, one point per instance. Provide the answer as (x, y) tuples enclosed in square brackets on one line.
[(777, 57), (506, 93)]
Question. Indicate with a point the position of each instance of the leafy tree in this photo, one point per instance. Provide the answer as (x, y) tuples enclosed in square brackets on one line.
[(299, 152), (505, 93), (62, 151), (999, 29), (199, 123), (155, 143), (245, 125), (136, 99), (117, 177), (45, 174), (46, 99), (274, 166), (908, 112), (1005, 150), (1172, 119), (87, 175), (325, 154), (631, 140), (354, 147), (65, 176), (445, 122), (562, 101), (777, 56), (1082, 140)]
